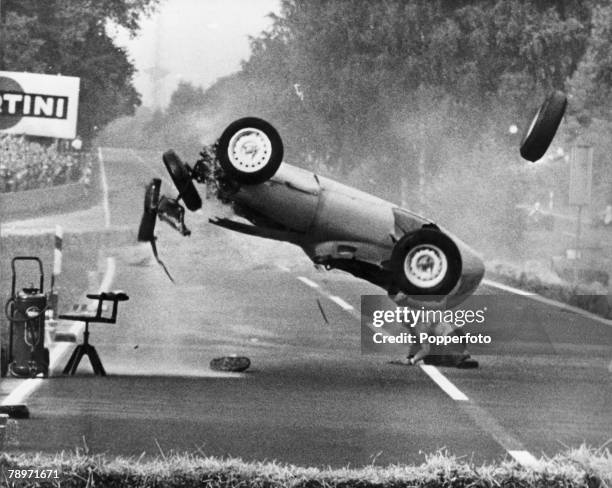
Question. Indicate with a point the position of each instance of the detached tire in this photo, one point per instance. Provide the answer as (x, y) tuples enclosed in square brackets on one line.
[(181, 178), (146, 231), (543, 127), (426, 262), (250, 151)]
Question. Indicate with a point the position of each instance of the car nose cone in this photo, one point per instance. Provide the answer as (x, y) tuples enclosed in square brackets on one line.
[(473, 270)]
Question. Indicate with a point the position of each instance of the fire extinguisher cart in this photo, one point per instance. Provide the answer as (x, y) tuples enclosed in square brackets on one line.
[(26, 354)]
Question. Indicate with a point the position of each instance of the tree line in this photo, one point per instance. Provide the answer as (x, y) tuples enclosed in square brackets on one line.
[(71, 38), (394, 93), (350, 78)]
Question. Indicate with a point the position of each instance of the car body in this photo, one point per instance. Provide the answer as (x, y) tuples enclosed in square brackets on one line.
[(414, 260), (339, 227)]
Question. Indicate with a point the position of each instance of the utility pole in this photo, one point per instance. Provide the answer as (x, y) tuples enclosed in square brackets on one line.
[(581, 177), (1, 37), (157, 73), (1, 196)]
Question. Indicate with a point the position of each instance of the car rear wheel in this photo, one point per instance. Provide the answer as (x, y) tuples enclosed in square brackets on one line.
[(250, 151), (181, 176), (543, 127), (426, 262)]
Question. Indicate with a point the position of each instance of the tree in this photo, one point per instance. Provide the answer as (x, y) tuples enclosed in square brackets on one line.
[(69, 37), (591, 84), (364, 67)]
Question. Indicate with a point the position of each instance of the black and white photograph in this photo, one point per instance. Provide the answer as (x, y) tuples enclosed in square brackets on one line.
[(306, 243)]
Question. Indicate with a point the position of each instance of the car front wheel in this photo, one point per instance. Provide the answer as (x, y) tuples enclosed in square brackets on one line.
[(250, 151), (426, 262)]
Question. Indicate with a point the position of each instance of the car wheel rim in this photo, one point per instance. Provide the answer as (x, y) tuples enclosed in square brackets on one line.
[(249, 150), (425, 266)]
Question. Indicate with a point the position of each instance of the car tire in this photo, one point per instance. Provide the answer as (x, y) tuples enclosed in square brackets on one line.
[(146, 231), (543, 127), (250, 135), (426, 262), (181, 177)]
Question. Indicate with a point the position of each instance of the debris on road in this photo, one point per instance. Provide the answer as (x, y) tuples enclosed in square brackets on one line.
[(234, 364)]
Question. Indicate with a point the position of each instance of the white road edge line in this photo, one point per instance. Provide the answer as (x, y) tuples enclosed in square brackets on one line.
[(308, 282), (22, 391), (57, 350), (525, 458), (104, 184), (444, 383), (109, 275), (547, 301), (344, 305)]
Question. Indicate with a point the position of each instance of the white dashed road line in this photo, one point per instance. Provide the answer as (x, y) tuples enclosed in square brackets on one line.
[(444, 383), (480, 416), (308, 282), (343, 305)]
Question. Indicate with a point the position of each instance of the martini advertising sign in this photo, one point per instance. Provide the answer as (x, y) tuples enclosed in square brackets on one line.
[(39, 105)]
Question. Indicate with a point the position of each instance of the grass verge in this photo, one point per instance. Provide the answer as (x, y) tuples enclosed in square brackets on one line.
[(582, 467)]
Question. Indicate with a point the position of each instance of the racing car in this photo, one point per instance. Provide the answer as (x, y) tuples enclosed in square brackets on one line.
[(414, 260)]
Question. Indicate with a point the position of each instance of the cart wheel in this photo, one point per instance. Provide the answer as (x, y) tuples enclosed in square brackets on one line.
[(250, 151), (543, 127), (4, 361), (181, 176), (426, 262), (19, 371)]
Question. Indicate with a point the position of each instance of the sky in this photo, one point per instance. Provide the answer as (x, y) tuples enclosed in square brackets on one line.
[(193, 40)]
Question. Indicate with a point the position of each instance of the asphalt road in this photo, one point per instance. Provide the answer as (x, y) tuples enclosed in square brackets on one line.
[(310, 397)]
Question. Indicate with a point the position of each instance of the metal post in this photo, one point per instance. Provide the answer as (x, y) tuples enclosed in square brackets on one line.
[(577, 245), (1, 38)]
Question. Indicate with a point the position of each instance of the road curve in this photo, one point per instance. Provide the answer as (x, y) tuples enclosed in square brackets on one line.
[(310, 397)]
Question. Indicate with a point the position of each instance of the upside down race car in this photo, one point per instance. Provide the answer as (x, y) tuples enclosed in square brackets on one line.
[(414, 260)]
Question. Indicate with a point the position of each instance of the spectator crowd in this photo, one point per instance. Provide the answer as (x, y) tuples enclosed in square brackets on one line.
[(26, 165)]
